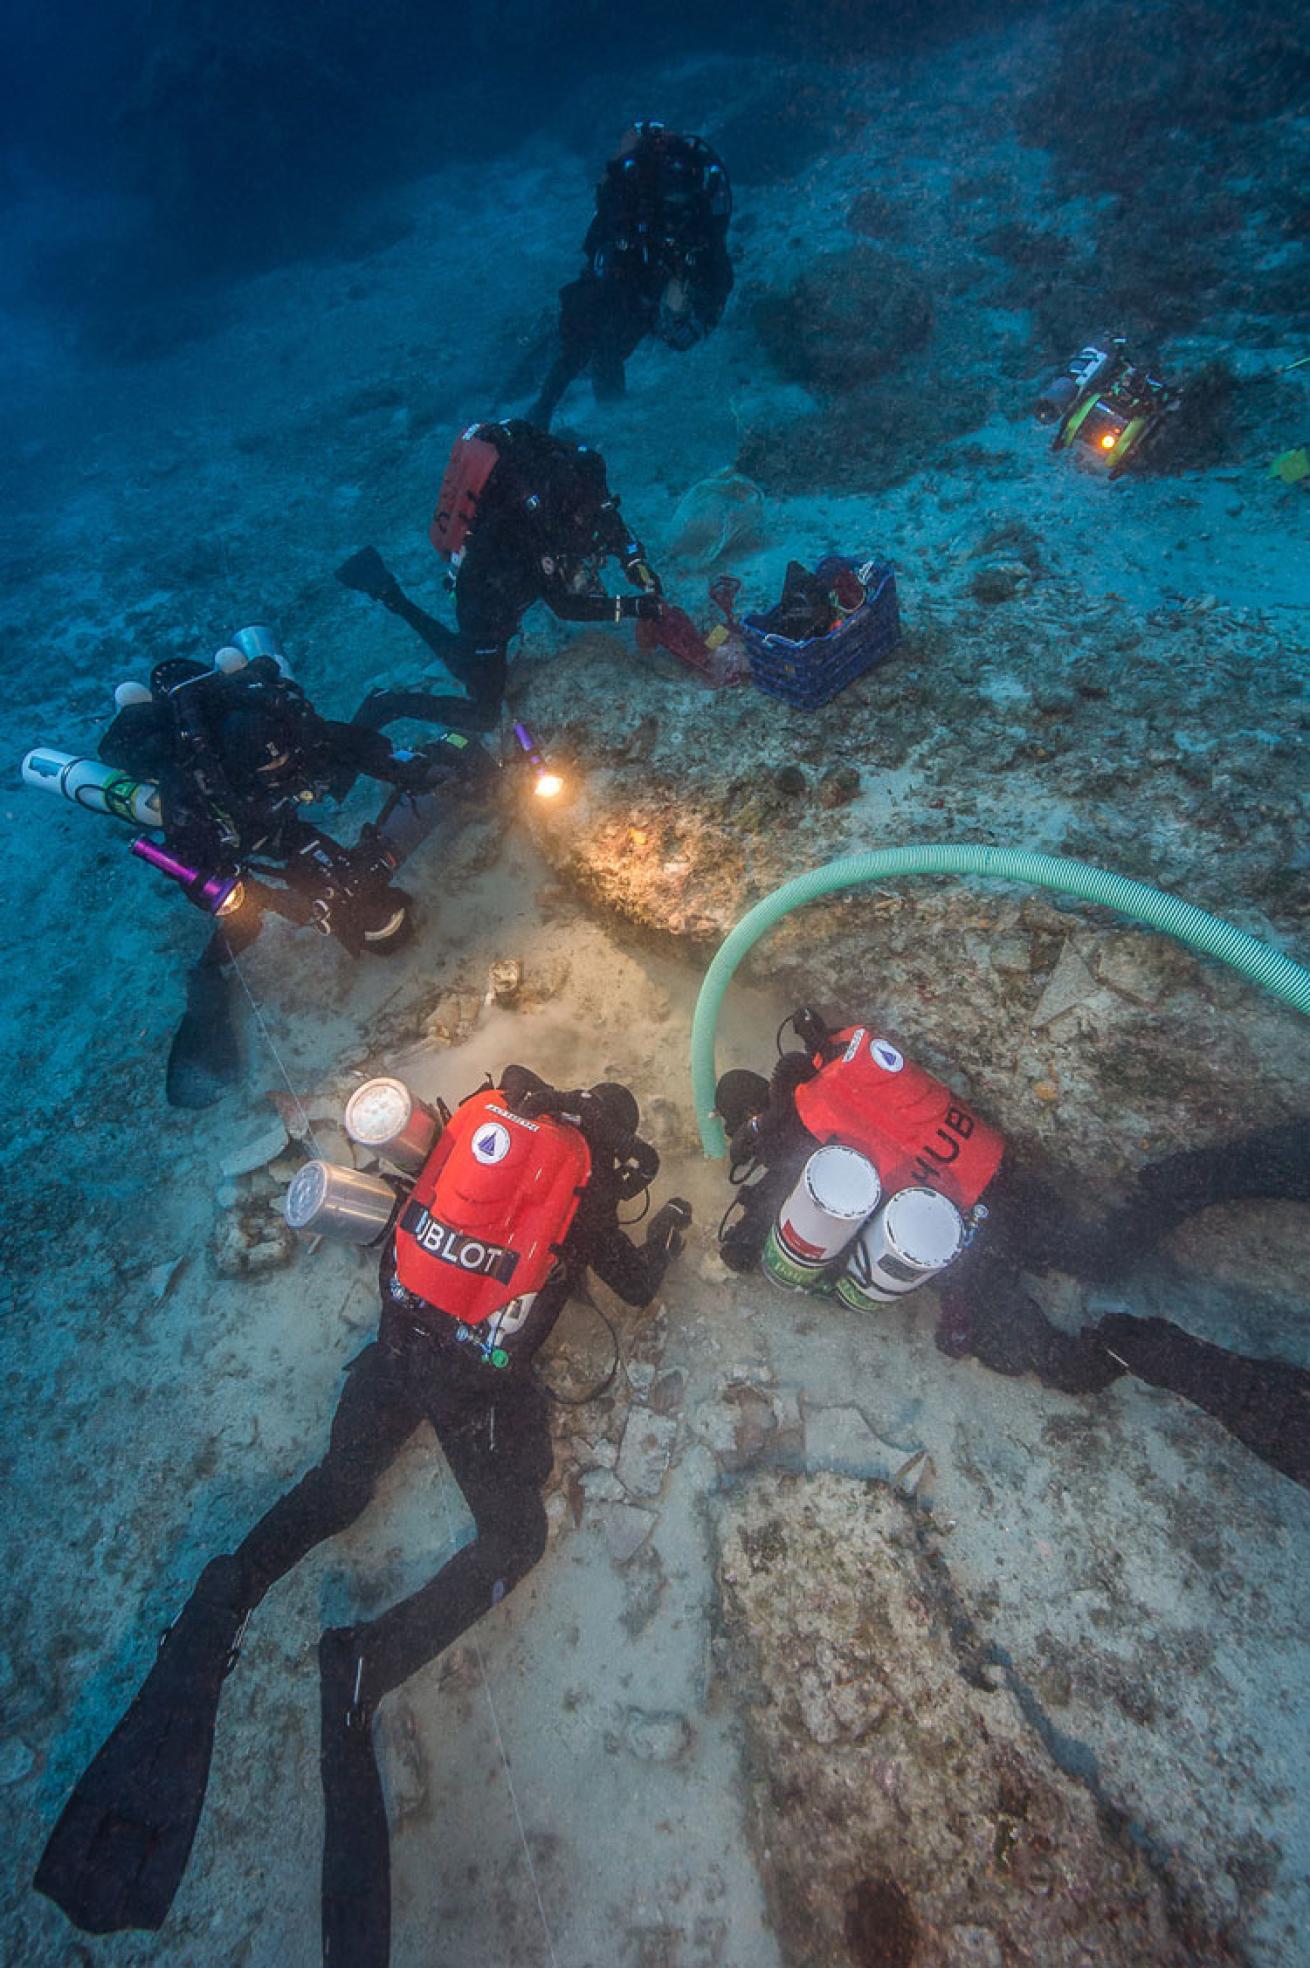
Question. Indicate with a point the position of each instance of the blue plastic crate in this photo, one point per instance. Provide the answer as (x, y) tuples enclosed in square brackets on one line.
[(808, 674)]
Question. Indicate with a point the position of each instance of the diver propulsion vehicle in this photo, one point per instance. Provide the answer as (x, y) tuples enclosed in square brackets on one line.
[(1106, 408)]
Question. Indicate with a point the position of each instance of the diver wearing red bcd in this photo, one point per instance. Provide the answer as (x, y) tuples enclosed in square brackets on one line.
[(855, 1088), (520, 1194), (478, 1246)]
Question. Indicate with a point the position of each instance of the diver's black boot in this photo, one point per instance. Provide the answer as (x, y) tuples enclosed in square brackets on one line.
[(356, 1849), (368, 574), (204, 1060), (116, 1857)]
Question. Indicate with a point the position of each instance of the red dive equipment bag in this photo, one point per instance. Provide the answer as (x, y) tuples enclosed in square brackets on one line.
[(914, 1130), (473, 458), (481, 1231)]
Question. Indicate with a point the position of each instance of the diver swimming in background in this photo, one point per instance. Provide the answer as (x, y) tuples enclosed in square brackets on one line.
[(224, 760), (521, 517), (656, 261), (514, 1197), (949, 1199)]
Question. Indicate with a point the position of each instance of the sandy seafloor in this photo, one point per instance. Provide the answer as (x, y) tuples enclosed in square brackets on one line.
[(1145, 1574)]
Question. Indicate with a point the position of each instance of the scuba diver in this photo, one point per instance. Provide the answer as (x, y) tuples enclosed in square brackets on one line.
[(515, 1196), (228, 757), (656, 261), (521, 517), (852, 1094)]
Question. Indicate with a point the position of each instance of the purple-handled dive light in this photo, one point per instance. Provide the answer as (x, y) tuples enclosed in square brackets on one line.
[(548, 784), (217, 895)]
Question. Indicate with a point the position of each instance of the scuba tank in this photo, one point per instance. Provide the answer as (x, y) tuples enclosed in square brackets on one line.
[(837, 1191), (233, 657), (385, 1116), (326, 1200), (1077, 377), (101, 788), (257, 640), (915, 1234)]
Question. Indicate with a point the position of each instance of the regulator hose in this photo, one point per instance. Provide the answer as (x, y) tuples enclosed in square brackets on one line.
[(1210, 935)]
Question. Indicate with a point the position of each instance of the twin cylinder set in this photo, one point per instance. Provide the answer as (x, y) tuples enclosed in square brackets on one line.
[(891, 1244), (327, 1200)]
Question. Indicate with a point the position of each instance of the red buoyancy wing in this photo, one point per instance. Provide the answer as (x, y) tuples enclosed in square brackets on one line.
[(495, 1200), (912, 1127), (471, 463)]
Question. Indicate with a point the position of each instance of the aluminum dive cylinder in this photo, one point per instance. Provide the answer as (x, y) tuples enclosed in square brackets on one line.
[(915, 1234), (838, 1189), (384, 1115), (260, 640), (87, 782), (326, 1200)]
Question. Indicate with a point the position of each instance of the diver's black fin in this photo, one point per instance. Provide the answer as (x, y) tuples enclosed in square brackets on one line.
[(356, 1845), (368, 574), (204, 1060), (116, 1857)]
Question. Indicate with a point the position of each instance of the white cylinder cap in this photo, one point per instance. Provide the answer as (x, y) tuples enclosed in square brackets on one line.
[(377, 1112), (229, 660), (131, 693)]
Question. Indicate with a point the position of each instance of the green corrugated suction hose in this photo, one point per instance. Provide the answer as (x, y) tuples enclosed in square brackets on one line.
[(1211, 935)]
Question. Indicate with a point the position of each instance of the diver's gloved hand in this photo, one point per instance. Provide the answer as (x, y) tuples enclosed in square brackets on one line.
[(665, 1229), (453, 759), (642, 575)]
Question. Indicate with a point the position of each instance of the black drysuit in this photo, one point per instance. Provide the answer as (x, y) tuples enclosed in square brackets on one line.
[(116, 1857), (545, 523), (493, 1426), (239, 761), (662, 213)]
